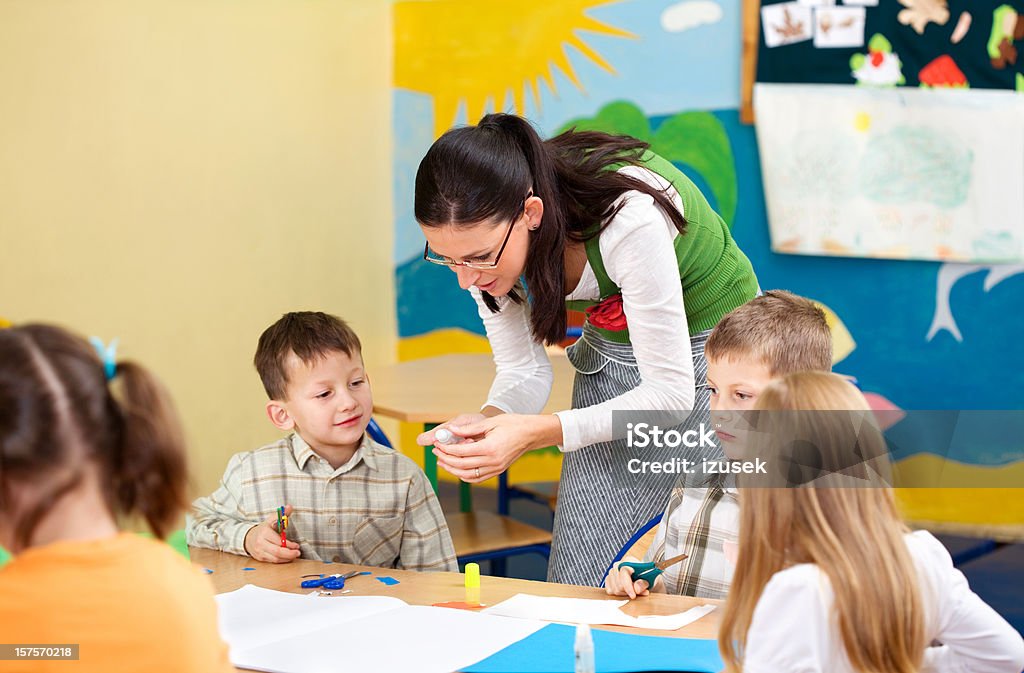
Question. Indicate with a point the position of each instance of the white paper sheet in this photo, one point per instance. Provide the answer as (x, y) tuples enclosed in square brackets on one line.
[(902, 173), (293, 633), (588, 611), (252, 616)]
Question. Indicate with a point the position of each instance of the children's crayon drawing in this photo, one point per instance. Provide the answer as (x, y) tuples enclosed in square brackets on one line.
[(907, 174)]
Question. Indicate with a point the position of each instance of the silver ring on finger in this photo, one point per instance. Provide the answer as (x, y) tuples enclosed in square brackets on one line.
[(478, 473)]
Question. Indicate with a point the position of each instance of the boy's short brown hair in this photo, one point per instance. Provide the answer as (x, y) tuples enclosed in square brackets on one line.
[(310, 335), (786, 332)]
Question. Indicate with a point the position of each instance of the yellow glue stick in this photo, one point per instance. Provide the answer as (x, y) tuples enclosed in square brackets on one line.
[(473, 583)]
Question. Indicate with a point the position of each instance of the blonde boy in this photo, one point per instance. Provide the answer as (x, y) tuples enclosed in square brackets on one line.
[(770, 336), (348, 499)]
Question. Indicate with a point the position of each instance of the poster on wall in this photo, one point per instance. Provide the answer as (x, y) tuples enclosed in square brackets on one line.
[(893, 172), (890, 129)]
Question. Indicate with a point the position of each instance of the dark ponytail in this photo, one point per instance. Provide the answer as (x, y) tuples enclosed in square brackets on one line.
[(148, 471), (58, 419), (481, 173)]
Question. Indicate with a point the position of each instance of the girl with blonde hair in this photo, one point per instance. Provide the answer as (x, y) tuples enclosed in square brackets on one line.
[(830, 579)]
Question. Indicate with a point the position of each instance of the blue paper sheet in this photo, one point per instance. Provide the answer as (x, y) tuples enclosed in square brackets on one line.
[(550, 650)]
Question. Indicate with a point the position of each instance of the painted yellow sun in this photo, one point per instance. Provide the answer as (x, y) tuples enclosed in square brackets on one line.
[(480, 52)]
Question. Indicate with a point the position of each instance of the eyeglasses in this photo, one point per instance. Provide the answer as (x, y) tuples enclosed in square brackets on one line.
[(430, 256)]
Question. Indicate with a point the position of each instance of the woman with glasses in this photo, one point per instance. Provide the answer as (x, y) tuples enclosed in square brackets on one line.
[(585, 220)]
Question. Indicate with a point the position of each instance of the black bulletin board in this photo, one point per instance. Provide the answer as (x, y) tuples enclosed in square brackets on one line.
[(804, 63)]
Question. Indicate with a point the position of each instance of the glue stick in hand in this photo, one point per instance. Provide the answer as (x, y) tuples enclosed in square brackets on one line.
[(443, 436)]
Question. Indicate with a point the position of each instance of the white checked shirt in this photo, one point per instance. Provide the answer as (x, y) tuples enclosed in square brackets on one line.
[(378, 509), (696, 522)]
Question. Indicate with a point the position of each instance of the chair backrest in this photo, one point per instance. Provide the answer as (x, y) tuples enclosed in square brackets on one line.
[(377, 435), (643, 537)]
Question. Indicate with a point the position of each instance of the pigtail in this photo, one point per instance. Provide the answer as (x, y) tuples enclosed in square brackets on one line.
[(33, 434), (147, 468)]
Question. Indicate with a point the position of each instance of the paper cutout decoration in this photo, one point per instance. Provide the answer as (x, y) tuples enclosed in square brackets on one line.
[(880, 66), (885, 412), (1007, 28), (786, 23), (842, 341), (963, 24), (839, 27), (942, 73), (919, 13)]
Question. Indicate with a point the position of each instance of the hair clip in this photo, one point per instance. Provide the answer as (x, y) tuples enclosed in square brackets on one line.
[(108, 354)]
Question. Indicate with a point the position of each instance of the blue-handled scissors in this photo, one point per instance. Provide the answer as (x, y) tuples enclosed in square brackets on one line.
[(330, 582), (649, 572)]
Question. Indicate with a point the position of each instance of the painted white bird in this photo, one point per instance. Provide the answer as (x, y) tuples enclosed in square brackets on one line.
[(948, 276)]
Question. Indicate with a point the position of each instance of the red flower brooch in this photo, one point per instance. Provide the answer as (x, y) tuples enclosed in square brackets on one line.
[(608, 314)]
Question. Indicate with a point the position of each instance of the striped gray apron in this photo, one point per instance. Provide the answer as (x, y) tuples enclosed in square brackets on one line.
[(596, 514)]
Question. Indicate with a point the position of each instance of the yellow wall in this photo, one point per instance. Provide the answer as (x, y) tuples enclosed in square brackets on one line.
[(178, 173)]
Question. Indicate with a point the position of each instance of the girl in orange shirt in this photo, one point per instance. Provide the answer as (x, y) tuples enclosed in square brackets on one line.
[(82, 442)]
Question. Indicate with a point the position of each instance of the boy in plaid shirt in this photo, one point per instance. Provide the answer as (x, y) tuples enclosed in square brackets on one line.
[(770, 336), (348, 499)]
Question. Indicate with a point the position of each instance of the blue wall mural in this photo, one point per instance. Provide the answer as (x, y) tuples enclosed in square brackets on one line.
[(928, 335)]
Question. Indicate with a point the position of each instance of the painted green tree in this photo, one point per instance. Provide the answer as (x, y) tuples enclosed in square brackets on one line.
[(696, 139)]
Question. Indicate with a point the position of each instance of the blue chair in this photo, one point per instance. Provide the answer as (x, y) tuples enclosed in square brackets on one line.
[(377, 435), (965, 549), (996, 578), (632, 542), (485, 536)]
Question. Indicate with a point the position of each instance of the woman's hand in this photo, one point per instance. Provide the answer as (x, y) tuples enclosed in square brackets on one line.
[(454, 426), (494, 444)]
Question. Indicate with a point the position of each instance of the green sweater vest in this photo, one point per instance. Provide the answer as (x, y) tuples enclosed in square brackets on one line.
[(715, 274)]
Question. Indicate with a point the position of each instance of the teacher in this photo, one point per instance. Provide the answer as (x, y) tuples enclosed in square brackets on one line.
[(593, 221)]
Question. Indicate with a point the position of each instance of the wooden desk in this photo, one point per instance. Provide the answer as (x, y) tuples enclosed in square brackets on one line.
[(434, 390), (418, 588)]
